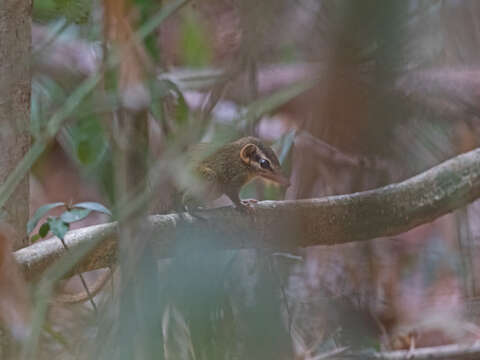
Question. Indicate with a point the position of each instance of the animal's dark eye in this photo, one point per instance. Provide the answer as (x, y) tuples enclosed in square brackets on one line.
[(264, 164)]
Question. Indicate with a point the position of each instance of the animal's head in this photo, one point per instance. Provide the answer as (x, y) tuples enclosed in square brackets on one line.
[(262, 160)]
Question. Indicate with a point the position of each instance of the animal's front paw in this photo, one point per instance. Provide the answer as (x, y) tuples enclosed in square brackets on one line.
[(246, 206), (195, 212)]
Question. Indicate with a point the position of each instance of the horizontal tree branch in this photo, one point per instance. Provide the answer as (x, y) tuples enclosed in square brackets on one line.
[(283, 225)]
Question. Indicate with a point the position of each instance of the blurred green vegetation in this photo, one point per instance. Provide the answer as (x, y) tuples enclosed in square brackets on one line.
[(75, 11), (195, 45)]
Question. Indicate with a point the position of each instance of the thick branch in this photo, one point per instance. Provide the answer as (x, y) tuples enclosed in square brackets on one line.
[(282, 225)]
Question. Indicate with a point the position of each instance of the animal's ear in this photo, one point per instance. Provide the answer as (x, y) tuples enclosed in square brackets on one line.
[(247, 152)]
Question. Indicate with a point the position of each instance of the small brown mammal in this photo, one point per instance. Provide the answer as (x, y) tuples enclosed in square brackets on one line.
[(228, 168)]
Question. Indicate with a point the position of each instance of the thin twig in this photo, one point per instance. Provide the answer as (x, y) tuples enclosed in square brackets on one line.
[(457, 352), (274, 271), (84, 283)]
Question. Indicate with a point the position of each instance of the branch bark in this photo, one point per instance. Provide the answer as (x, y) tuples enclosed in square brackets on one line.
[(283, 225)]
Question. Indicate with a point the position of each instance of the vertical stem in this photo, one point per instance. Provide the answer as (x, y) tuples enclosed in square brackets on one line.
[(84, 283), (252, 93), (466, 246)]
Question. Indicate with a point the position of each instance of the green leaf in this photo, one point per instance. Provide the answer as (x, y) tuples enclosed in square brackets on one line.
[(35, 238), (87, 138), (166, 86), (75, 214), (84, 152), (58, 227), (94, 206), (182, 110), (76, 11), (44, 229), (41, 211), (195, 48)]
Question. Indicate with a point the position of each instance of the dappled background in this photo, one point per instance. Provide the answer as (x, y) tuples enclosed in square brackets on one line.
[(352, 95)]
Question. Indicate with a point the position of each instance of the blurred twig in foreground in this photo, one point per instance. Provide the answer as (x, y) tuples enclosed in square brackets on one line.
[(458, 352)]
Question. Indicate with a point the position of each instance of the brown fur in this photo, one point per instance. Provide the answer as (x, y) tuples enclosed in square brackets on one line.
[(225, 170)]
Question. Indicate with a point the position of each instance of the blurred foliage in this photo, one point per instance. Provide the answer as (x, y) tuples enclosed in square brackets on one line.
[(46, 95), (44, 10), (195, 46), (75, 11), (207, 304), (88, 140), (146, 8)]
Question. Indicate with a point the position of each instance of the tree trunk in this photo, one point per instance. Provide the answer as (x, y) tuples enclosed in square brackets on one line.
[(15, 85)]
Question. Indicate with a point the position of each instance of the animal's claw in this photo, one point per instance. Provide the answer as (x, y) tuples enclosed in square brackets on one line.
[(246, 207), (249, 202)]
